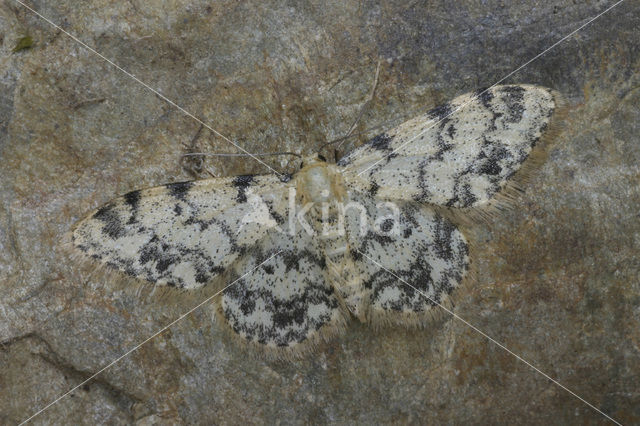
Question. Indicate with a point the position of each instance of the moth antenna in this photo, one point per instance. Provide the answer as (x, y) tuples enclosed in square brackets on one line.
[(200, 155), (366, 103), (359, 116), (364, 132), (230, 154)]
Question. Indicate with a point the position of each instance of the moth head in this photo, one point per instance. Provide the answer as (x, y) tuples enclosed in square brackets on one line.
[(319, 181)]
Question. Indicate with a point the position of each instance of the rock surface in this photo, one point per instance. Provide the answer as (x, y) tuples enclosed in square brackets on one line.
[(559, 274)]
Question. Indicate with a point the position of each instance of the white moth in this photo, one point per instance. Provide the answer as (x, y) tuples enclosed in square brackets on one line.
[(388, 201)]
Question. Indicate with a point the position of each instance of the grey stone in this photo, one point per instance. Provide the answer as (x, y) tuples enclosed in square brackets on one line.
[(559, 273)]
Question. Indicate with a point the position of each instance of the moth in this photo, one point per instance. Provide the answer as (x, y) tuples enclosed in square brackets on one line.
[(347, 236)]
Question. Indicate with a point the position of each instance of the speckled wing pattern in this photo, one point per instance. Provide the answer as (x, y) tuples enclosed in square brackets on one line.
[(286, 301), (181, 234), (408, 267), (459, 154)]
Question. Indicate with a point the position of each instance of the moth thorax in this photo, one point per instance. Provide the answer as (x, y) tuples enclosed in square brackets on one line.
[(320, 182)]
